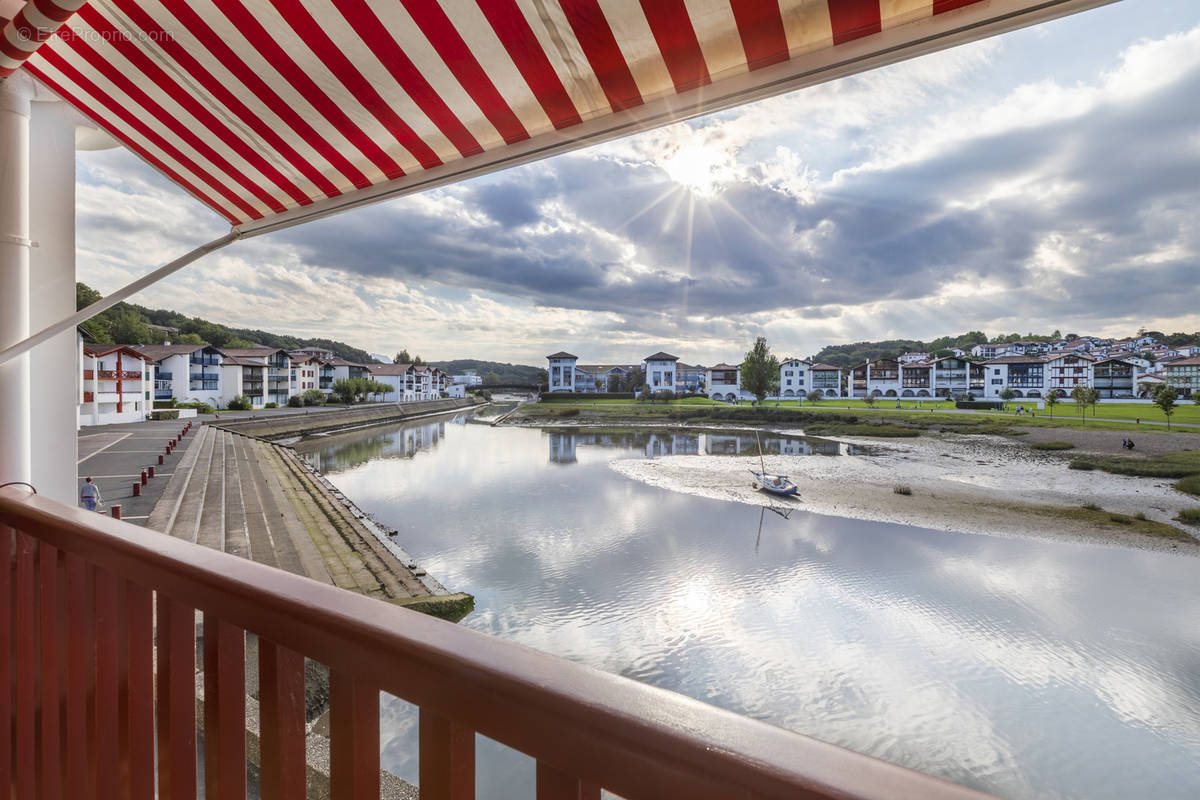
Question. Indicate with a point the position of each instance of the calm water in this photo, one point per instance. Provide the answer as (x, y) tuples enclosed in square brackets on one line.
[(1024, 668)]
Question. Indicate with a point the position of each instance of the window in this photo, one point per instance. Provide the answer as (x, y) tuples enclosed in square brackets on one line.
[(996, 381), (996, 371)]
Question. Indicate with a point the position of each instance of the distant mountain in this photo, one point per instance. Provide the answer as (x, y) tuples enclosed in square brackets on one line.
[(845, 355), (504, 373)]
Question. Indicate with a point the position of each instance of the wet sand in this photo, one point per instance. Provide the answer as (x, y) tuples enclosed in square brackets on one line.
[(972, 484)]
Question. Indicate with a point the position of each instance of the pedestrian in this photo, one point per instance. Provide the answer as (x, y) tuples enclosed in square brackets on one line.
[(89, 494), (1124, 444), (1130, 444), (1138, 420)]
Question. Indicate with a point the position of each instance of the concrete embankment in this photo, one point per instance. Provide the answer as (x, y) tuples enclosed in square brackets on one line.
[(275, 428), (238, 492)]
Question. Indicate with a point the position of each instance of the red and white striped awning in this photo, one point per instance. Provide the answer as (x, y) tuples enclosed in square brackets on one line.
[(272, 112)]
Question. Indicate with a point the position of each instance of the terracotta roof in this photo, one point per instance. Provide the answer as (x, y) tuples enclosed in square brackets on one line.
[(725, 366), (1057, 356), (825, 367), (1194, 361), (661, 356), (601, 367), (341, 362), (160, 351), (240, 361), (389, 369), (252, 352), (561, 354), (105, 349)]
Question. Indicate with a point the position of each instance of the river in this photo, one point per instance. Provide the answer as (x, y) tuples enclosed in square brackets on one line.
[(1026, 668)]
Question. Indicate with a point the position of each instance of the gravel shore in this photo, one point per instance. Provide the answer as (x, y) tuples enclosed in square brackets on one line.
[(973, 484)]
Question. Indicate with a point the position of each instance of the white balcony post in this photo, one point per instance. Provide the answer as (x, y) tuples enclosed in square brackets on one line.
[(53, 367), (15, 423)]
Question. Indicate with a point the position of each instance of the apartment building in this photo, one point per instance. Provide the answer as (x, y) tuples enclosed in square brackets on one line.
[(916, 379), (826, 378), (277, 377), (186, 372), (245, 377), (883, 378), (561, 372), (724, 382), (794, 378), (1025, 375), (660, 370), (116, 384), (1115, 377), (1184, 376), (1066, 371), (690, 378)]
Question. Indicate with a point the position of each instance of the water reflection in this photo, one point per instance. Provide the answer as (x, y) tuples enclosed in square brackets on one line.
[(1025, 668), (656, 444)]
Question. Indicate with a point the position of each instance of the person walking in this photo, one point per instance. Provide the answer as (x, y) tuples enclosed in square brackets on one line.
[(89, 494)]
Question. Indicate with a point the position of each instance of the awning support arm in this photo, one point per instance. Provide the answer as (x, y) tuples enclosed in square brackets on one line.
[(116, 297)]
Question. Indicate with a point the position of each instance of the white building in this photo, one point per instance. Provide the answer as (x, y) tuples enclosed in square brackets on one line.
[(1025, 375), (793, 378), (562, 372), (396, 376), (660, 372), (826, 378), (468, 378), (187, 372), (724, 382), (116, 384), (277, 377), (1065, 371)]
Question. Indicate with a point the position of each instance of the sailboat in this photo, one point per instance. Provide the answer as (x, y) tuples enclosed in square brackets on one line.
[(775, 484)]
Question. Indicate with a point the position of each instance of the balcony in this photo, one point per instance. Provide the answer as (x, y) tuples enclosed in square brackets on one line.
[(163, 376), (89, 375), (116, 664), (204, 386), (129, 375), (107, 374), (163, 394), (205, 361), (89, 397)]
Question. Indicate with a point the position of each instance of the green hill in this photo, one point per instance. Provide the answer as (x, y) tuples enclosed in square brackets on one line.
[(503, 373)]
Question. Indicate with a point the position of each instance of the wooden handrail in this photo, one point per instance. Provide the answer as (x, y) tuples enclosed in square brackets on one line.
[(583, 726)]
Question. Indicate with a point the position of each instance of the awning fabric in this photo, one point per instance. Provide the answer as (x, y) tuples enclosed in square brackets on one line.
[(33, 24), (272, 112)]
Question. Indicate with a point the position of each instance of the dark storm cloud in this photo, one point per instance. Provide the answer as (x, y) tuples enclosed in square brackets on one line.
[(1119, 180)]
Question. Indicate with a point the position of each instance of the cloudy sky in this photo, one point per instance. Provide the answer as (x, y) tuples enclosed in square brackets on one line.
[(1045, 179)]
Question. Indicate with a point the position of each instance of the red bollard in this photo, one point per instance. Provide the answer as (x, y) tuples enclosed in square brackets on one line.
[(116, 512), (161, 459), (168, 449), (145, 477), (137, 490), (150, 471)]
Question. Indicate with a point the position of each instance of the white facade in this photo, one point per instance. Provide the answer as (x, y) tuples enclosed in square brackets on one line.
[(1065, 372), (116, 385), (561, 372), (794, 378), (724, 382), (660, 372), (1025, 376)]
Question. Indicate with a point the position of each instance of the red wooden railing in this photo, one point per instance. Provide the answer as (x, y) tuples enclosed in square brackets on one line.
[(89, 374), (108, 374), (88, 397), (99, 616)]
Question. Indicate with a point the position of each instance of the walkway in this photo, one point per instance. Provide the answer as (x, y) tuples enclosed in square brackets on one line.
[(261, 501)]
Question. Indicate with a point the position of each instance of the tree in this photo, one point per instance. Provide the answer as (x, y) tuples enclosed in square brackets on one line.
[(128, 327), (759, 369), (189, 338), (1093, 399), (869, 399), (345, 389), (1051, 401), (402, 357), (635, 380), (1195, 397), (815, 396), (1081, 395), (1165, 399), (237, 343), (490, 378)]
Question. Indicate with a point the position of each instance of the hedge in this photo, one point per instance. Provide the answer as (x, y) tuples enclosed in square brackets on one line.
[(984, 404), (556, 397)]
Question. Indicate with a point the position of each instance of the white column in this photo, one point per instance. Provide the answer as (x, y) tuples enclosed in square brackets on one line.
[(54, 372), (15, 426)]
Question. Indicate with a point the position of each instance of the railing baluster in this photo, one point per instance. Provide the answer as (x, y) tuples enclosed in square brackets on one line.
[(80, 674), (140, 623), (6, 642), (26, 687), (281, 722), (176, 700), (553, 784), (224, 710), (49, 614), (447, 758), (106, 733), (354, 738)]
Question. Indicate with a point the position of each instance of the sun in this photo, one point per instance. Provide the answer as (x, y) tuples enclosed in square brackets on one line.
[(699, 164)]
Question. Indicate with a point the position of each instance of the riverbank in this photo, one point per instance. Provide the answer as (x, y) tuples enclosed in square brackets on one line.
[(979, 484), (249, 496), (825, 419)]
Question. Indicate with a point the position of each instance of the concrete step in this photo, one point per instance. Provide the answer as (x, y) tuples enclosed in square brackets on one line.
[(210, 527), (236, 532), (165, 511)]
